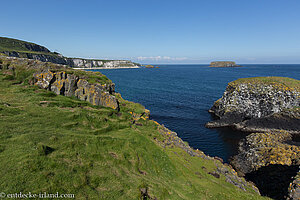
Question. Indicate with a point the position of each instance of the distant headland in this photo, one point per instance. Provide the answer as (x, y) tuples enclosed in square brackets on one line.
[(22, 49), (224, 64)]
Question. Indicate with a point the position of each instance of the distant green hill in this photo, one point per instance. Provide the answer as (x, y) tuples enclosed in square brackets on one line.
[(9, 44)]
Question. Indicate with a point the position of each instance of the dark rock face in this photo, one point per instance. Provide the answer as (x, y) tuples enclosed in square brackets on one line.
[(223, 64), (257, 107), (65, 84)]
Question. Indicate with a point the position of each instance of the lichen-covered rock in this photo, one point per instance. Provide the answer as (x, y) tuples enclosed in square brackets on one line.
[(263, 102), (263, 149), (62, 83), (270, 160)]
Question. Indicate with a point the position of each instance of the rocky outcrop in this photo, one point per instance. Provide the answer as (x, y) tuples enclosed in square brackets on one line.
[(271, 161), (224, 64), (263, 149), (65, 84), (259, 104), (66, 81)]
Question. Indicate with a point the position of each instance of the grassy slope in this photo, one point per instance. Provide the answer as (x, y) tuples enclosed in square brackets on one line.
[(9, 44), (94, 152), (280, 81)]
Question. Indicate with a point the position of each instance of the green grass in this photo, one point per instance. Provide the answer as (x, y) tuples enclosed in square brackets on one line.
[(52, 143), (280, 81), (9, 44)]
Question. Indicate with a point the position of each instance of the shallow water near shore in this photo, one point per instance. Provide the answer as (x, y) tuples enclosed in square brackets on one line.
[(179, 97)]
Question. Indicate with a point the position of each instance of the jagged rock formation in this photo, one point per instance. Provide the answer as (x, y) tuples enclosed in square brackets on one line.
[(271, 161), (62, 83), (66, 81), (259, 104), (263, 149), (271, 106), (22, 49), (224, 64)]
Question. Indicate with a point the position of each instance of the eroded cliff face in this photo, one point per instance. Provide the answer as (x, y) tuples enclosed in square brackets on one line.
[(63, 80), (62, 83), (73, 62), (257, 107)]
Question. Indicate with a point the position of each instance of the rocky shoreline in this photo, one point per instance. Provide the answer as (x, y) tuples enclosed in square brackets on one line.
[(37, 52), (269, 109)]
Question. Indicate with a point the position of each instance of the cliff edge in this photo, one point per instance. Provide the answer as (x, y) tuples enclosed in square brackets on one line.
[(21, 49)]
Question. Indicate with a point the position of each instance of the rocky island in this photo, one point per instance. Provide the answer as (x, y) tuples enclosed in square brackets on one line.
[(224, 64), (269, 109), (22, 49), (259, 104)]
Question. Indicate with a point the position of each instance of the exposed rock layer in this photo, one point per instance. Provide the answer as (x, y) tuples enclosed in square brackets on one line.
[(258, 106), (63, 80), (22, 49), (74, 62)]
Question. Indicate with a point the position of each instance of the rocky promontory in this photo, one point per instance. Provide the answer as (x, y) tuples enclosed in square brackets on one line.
[(268, 108), (63, 80), (22, 49), (259, 104), (224, 64)]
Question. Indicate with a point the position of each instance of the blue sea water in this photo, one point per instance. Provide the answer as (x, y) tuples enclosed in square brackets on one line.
[(179, 97)]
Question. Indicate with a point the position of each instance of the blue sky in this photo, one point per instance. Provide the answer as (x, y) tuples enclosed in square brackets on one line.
[(160, 31)]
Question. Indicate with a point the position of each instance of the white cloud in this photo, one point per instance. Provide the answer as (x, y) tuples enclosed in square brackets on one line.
[(159, 58)]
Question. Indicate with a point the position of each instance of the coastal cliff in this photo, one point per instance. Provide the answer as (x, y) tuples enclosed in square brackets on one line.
[(101, 153), (259, 104), (22, 49), (224, 64), (268, 108)]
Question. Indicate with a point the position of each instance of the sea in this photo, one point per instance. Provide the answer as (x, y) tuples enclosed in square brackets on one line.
[(179, 96)]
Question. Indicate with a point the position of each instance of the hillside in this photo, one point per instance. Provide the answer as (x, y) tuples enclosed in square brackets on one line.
[(23, 49), (54, 143)]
